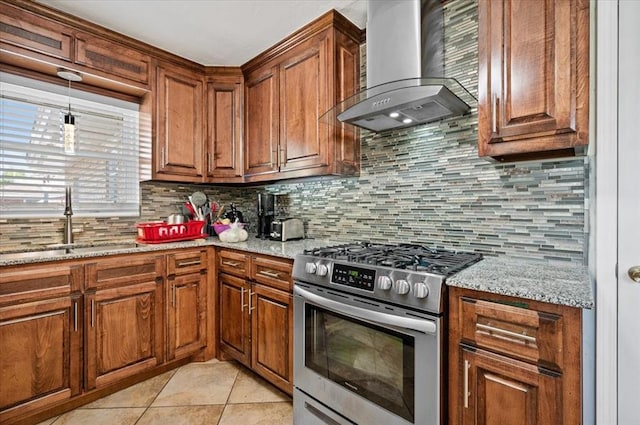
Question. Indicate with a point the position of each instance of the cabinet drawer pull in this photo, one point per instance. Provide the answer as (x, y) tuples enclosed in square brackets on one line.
[(93, 312), (230, 263), (274, 275), (188, 263), (492, 329), (75, 316), (466, 383)]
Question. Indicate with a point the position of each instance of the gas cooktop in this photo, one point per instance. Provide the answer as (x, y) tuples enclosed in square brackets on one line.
[(404, 274), (403, 256)]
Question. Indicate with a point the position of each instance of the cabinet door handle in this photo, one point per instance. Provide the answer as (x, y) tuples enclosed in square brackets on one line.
[(230, 263), (93, 312), (173, 295), (75, 316), (493, 329), (162, 164), (242, 304), (466, 383), (208, 162), (251, 307), (283, 157), (188, 263), (274, 275), (494, 111)]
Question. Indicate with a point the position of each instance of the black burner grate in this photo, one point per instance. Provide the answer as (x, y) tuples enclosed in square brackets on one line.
[(403, 256)]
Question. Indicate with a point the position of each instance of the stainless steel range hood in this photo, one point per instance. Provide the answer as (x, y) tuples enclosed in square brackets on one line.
[(406, 85)]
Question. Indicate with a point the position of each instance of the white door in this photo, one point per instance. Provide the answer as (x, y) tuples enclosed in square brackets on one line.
[(628, 213)]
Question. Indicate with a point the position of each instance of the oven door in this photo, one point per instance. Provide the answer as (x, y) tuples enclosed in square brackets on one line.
[(369, 363)]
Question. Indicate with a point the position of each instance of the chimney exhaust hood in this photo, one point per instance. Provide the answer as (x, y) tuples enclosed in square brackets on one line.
[(406, 85)]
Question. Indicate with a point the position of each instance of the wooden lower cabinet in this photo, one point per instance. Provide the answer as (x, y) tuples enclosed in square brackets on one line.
[(235, 327), (40, 337), (501, 390), (272, 335), (124, 332), (256, 315), (513, 361), (187, 316)]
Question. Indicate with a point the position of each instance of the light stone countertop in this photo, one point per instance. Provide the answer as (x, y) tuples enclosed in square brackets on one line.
[(287, 249), (565, 284)]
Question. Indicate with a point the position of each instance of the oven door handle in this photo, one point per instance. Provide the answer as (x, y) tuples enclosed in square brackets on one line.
[(426, 326)]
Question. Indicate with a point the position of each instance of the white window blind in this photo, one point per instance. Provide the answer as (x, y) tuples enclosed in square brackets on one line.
[(104, 172)]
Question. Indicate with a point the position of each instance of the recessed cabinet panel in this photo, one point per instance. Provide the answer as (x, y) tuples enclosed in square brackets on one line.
[(178, 147), (303, 99), (224, 157), (261, 123)]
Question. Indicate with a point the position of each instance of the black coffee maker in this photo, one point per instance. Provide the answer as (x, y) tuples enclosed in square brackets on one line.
[(266, 213)]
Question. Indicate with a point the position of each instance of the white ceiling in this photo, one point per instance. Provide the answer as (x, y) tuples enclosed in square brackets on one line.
[(209, 32)]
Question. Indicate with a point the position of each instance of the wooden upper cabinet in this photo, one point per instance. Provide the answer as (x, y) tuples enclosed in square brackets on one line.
[(179, 124), (533, 79), (22, 30), (261, 122), (287, 89), (112, 59), (224, 128)]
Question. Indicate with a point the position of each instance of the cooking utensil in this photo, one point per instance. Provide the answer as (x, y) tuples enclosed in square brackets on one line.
[(199, 199)]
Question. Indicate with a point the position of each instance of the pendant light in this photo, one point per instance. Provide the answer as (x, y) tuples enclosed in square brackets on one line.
[(69, 119)]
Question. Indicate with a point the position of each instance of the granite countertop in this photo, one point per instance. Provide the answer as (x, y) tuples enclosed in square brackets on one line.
[(564, 284), (287, 249)]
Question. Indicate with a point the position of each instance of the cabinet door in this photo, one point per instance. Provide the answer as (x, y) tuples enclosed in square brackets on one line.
[(20, 29), (124, 328), (224, 138), (187, 314), (303, 99), (500, 390), (40, 355), (533, 76), (272, 336), (235, 330), (112, 59), (178, 148), (261, 122)]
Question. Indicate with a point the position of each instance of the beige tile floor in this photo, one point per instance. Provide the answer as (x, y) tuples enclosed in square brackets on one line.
[(211, 393)]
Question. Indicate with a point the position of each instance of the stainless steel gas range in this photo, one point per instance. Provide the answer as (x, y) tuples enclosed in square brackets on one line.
[(368, 343)]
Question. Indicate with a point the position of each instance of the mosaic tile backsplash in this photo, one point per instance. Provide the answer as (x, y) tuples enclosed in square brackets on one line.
[(424, 185)]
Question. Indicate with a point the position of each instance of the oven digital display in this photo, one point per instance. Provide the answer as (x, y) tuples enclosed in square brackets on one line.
[(355, 277)]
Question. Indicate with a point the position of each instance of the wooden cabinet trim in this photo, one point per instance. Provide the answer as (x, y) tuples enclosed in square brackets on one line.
[(272, 272), (186, 261)]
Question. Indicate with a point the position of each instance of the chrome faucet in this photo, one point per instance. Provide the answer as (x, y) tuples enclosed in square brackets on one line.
[(67, 238)]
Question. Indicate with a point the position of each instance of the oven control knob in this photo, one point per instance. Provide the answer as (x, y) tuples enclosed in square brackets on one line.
[(321, 270), (420, 290), (402, 286), (310, 268), (384, 283)]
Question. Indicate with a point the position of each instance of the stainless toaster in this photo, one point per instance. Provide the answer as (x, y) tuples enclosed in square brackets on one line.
[(284, 229)]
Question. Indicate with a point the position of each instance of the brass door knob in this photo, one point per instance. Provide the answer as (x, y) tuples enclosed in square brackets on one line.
[(634, 273)]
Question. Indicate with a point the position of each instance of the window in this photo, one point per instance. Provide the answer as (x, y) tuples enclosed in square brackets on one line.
[(111, 156)]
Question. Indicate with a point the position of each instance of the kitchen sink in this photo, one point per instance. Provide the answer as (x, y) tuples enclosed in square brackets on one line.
[(34, 254)]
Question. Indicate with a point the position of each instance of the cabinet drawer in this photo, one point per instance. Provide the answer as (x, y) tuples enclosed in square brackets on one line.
[(29, 283), (233, 263), (184, 262), (121, 271), (531, 335), (112, 58), (272, 272), (28, 31)]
